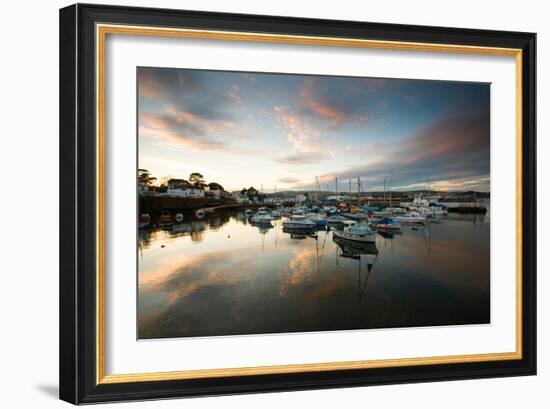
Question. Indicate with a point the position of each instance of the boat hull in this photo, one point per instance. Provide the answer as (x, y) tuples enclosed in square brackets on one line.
[(361, 238), (298, 226)]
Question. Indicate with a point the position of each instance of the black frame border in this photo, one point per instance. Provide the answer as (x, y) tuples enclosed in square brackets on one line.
[(78, 210)]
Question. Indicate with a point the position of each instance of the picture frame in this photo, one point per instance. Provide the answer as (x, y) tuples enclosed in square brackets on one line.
[(83, 32)]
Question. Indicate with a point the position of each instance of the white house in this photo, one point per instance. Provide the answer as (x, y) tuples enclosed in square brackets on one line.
[(182, 188), (240, 198)]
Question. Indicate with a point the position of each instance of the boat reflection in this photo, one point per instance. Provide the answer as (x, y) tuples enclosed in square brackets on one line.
[(262, 228), (300, 234), (355, 251)]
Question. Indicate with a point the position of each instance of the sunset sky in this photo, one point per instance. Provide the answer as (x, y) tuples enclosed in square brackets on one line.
[(252, 129)]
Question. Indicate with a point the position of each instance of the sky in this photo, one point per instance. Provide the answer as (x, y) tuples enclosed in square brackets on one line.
[(281, 131)]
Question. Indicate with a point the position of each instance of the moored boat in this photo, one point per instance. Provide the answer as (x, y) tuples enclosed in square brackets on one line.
[(396, 210), (144, 220), (353, 249), (165, 218), (318, 219), (359, 216), (336, 220), (262, 217), (383, 213), (298, 222), (386, 223), (357, 232), (411, 218)]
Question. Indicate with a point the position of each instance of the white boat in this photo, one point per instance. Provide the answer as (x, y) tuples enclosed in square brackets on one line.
[(411, 218), (262, 217), (275, 214), (357, 232), (382, 213), (396, 210), (298, 222), (336, 220)]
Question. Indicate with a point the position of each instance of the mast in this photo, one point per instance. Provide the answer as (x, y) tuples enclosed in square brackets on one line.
[(336, 183), (358, 188), (391, 173)]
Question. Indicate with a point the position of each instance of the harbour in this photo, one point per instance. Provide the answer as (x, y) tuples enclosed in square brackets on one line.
[(223, 274)]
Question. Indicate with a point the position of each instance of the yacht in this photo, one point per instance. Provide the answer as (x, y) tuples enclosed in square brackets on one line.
[(357, 232), (411, 218), (262, 217), (298, 222)]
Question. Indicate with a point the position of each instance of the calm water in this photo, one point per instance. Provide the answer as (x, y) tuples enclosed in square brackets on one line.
[(223, 276)]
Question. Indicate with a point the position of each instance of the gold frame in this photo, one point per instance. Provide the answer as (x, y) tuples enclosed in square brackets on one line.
[(102, 30)]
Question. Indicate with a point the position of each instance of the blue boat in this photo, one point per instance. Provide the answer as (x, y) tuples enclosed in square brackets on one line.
[(371, 208), (386, 223)]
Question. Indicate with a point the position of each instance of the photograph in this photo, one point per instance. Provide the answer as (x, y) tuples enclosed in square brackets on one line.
[(292, 203)]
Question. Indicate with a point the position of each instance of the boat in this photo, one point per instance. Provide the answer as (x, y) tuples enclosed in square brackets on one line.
[(144, 220), (389, 234), (411, 218), (359, 216), (396, 210), (386, 223), (275, 214), (354, 249), (179, 217), (318, 219), (298, 222), (262, 218), (382, 213), (357, 232), (165, 218), (300, 234), (336, 220), (200, 213)]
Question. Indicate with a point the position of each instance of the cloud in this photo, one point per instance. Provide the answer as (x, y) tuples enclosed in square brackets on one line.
[(303, 158), (181, 107), (288, 179), (184, 128), (323, 102), (455, 147), (318, 106), (304, 139)]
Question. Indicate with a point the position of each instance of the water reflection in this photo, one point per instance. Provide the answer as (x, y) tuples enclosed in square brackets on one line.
[(221, 275)]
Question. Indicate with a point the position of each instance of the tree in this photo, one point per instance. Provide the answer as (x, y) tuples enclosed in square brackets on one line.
[(144, 178), (215, 186), (196, 179)]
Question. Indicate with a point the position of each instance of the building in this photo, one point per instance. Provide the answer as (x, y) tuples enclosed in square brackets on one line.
[(182, 188), (214, 193), (240, 198)]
